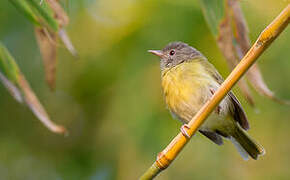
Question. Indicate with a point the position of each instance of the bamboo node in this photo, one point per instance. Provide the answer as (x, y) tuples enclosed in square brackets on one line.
[(162, 161)]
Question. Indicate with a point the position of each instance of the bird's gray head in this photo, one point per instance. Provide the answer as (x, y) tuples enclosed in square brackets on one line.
[(175, 53)]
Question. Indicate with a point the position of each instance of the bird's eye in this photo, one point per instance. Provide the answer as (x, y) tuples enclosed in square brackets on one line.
[(172, 52)]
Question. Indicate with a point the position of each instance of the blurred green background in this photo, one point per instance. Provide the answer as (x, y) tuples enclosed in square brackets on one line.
[(110, 99)]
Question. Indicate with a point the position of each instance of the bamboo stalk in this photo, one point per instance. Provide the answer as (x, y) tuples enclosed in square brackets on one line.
[(271, 32)]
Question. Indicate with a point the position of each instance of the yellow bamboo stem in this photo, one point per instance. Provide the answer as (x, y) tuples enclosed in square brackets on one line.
[(271, 32)]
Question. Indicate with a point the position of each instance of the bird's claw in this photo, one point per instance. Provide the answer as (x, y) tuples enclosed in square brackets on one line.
[(184, 129)]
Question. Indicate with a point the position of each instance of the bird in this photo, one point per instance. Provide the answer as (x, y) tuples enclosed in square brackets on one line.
[(188, 81)]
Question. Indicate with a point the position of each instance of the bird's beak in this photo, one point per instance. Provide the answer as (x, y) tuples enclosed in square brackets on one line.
[(156, 53)]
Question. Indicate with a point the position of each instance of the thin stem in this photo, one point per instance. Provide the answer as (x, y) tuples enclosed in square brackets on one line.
[(151, 172), (271, 32)]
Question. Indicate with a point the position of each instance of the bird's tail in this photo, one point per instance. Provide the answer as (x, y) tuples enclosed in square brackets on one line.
[(245, 144)]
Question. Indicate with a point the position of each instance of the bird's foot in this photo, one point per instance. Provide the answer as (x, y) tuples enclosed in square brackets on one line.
[(184, 129)]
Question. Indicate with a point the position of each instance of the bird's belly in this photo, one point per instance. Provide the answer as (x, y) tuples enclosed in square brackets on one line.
[(184, 98)]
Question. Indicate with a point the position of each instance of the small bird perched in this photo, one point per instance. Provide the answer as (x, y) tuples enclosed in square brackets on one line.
[(188, 82)]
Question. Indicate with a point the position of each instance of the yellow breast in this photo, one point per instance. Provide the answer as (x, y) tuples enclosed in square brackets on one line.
[(185, 88)]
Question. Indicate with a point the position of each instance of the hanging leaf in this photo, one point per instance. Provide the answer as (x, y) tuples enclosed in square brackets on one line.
[(47, 44), (35, 106), (243, 44), (218, 20), (224, 41), (15, 82), (228, 25), (8, 65), (62, 20), (50, 20)]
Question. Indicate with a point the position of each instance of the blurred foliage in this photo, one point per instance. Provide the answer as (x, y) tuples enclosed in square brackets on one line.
[(49, 20), (19, 88), (228, 25), (111, 102)]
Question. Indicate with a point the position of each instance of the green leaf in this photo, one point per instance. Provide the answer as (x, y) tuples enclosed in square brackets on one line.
[(24, 8), (38, 14), (214, 13), (7, 64), (12, 89), (45, 12), (20, 89)]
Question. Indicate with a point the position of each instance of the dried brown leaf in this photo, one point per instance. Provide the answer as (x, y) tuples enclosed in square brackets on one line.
[(15, 82), (240, 26), (35, 106), (48, 48), (225, 43), (225, 39), (254, 74), (63, 20)]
